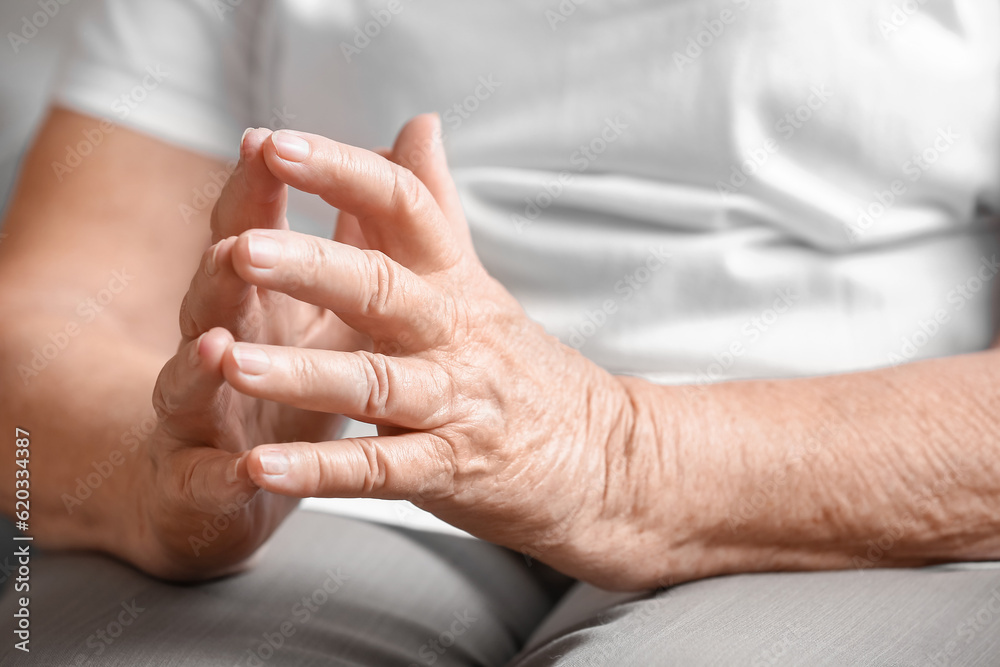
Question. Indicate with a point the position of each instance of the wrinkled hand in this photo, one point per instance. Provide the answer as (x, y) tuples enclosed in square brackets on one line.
[(484, 419), (201, 514)]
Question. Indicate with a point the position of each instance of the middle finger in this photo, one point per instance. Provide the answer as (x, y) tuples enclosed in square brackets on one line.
[(367, 289)]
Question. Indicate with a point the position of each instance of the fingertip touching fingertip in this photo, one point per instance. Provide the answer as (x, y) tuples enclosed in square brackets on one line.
[(273, 461), (289, 146), (264, 252), (212, 260), (247, 141), (267, 466), (250, 360), (236, 471), (210, 347), (194, 358)]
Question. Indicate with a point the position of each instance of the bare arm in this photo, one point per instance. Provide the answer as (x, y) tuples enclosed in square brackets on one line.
[(111, 231), (896, 467)]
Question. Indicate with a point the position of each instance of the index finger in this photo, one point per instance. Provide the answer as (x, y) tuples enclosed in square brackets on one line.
[(396, 212)]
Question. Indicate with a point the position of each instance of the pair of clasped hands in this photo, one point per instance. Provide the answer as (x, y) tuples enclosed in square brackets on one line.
[(484, 419)]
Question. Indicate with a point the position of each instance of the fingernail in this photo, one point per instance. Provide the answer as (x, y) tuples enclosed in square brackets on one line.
[(195, 356), (243, 143), (211, 265), (233, 472), (265, 253), (273, 462), (251, 360), (290, 146)]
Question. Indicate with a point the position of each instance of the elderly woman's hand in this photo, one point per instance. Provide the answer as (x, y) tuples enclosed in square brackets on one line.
[(484, 419)]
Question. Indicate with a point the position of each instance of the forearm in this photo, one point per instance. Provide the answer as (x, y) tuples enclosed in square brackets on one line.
[(114, 241), (92, 271), (895, 467), (86, 426)]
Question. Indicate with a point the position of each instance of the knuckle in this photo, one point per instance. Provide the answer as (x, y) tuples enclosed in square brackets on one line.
[(320, 473), (302, 372), (376, 471), (406, 190), (377, 378), (327, 476), (383, 276), (442, 484), (332, 158)]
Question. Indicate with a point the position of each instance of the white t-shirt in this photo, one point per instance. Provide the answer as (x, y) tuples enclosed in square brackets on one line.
[(687, 190)]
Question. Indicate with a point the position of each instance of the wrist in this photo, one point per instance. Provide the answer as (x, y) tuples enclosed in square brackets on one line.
[(644, 526), (678, 492), (674, 488)]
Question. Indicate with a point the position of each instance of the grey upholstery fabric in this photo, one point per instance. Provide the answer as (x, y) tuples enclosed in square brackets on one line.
[(334, 591), (326, 591), (933, 616)]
